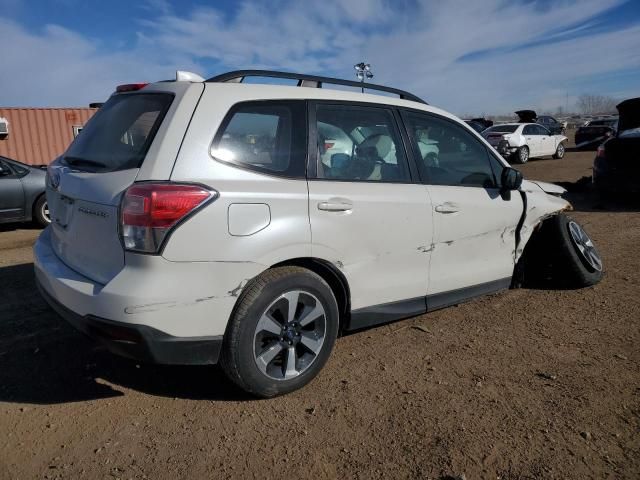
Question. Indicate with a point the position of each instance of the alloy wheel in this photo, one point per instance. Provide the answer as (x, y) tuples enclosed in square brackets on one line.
[(289, 335), (44, 210), (585, 246)]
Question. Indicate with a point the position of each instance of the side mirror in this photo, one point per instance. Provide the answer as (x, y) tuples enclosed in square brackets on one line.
[(511, 179)]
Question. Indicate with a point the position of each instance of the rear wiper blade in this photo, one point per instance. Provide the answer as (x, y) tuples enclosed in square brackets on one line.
[(83, 161)]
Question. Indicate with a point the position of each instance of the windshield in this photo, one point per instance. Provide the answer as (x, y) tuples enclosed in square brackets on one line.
[(502, 128), (120, 133)]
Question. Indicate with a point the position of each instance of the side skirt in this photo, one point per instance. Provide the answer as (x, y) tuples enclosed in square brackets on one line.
[(390, 312), (453, 297)]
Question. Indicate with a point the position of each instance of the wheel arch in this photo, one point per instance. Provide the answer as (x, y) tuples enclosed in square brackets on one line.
[(538, 209), (331, 274)]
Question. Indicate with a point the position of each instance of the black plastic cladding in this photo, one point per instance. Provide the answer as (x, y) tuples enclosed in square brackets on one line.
[(239, 75)]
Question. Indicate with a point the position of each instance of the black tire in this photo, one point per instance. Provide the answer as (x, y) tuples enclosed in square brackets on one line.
[(570, 267), (560, 151), (521, 155), (40, 212), (238, 359)]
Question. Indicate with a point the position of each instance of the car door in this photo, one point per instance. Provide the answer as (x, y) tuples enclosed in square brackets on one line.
[(474, 222), (369, 214), (533, 138), (11, 194), (547, 142)]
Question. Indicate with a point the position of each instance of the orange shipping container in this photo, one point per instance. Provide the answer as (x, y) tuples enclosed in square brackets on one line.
[(38, 135)]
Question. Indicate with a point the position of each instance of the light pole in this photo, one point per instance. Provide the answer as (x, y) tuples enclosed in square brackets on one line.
[(363, 70)]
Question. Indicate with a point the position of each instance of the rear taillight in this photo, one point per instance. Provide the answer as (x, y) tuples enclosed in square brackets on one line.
[(150, 210), (600, 152)]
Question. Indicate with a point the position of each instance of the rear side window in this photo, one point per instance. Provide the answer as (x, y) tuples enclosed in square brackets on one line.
[(359, 144), (120, 133), (269, 137)]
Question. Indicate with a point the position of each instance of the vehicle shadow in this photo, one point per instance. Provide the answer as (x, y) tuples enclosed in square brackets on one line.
[(45, 361), (587, 148), (586, 198)]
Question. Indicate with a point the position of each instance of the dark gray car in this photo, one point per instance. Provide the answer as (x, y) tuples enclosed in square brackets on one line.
[(22, 196)]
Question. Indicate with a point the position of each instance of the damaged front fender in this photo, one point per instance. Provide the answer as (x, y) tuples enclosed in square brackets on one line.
[(541, 201)]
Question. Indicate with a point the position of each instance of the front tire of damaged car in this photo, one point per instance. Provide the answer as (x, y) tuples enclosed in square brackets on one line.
[(281, 333), (521, 155), (562, 254)]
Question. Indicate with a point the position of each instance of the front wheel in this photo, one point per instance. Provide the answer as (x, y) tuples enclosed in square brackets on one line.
[(41, 212), (522, 155), (282, 332), (559, 152), (578, 261)]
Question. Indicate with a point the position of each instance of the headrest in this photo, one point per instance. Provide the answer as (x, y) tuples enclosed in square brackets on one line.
[(380, 142)]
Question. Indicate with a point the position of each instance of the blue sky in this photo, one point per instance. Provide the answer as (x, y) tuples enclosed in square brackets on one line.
[(489, 56)]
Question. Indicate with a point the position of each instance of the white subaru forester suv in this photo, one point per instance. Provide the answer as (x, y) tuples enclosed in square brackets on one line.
[(202, 221)]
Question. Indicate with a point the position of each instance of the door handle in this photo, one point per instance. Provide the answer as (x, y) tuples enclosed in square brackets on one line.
[(335, 206), (447, 207)]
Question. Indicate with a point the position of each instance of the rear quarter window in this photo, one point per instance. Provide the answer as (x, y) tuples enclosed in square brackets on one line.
[(268, 137)]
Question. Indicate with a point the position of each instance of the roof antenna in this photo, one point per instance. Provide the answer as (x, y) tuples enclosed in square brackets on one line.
[(363, 70)]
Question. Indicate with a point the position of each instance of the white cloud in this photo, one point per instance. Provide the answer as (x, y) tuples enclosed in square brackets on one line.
[(534, 53)]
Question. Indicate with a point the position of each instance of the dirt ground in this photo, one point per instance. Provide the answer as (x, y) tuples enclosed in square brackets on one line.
[(524, 384)]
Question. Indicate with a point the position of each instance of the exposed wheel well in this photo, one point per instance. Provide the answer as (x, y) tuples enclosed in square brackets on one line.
[(333, 276), (532, 264)]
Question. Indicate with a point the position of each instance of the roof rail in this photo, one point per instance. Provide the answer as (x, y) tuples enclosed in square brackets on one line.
[(309, 81)]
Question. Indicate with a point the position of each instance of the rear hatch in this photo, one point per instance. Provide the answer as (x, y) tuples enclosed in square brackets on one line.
[(526, 116), (85, 185), (623, 151), (629, 115)]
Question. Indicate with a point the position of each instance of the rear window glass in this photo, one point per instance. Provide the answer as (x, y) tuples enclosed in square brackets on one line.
[(502, 128), (120, 133)]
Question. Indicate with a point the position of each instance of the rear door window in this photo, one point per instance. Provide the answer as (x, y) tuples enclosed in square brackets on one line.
[(120, 133), (359, 144)]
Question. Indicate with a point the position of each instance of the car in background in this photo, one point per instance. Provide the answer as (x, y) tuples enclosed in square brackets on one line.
[(550, 123), (553, 125), (616, 167), (483, 121), (22, 193), (478, 127), (595, 132), (518, 142)]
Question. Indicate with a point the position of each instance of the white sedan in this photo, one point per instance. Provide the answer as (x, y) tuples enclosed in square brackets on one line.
[(518, 142)]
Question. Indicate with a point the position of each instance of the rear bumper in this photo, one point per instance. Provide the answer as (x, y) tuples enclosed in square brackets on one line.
[(153, 309), (141, 342)]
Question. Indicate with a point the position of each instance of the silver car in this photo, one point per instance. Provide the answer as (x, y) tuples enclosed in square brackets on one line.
[(22, 193)]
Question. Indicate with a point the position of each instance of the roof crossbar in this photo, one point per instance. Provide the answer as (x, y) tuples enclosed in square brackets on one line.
[(313, 81)]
